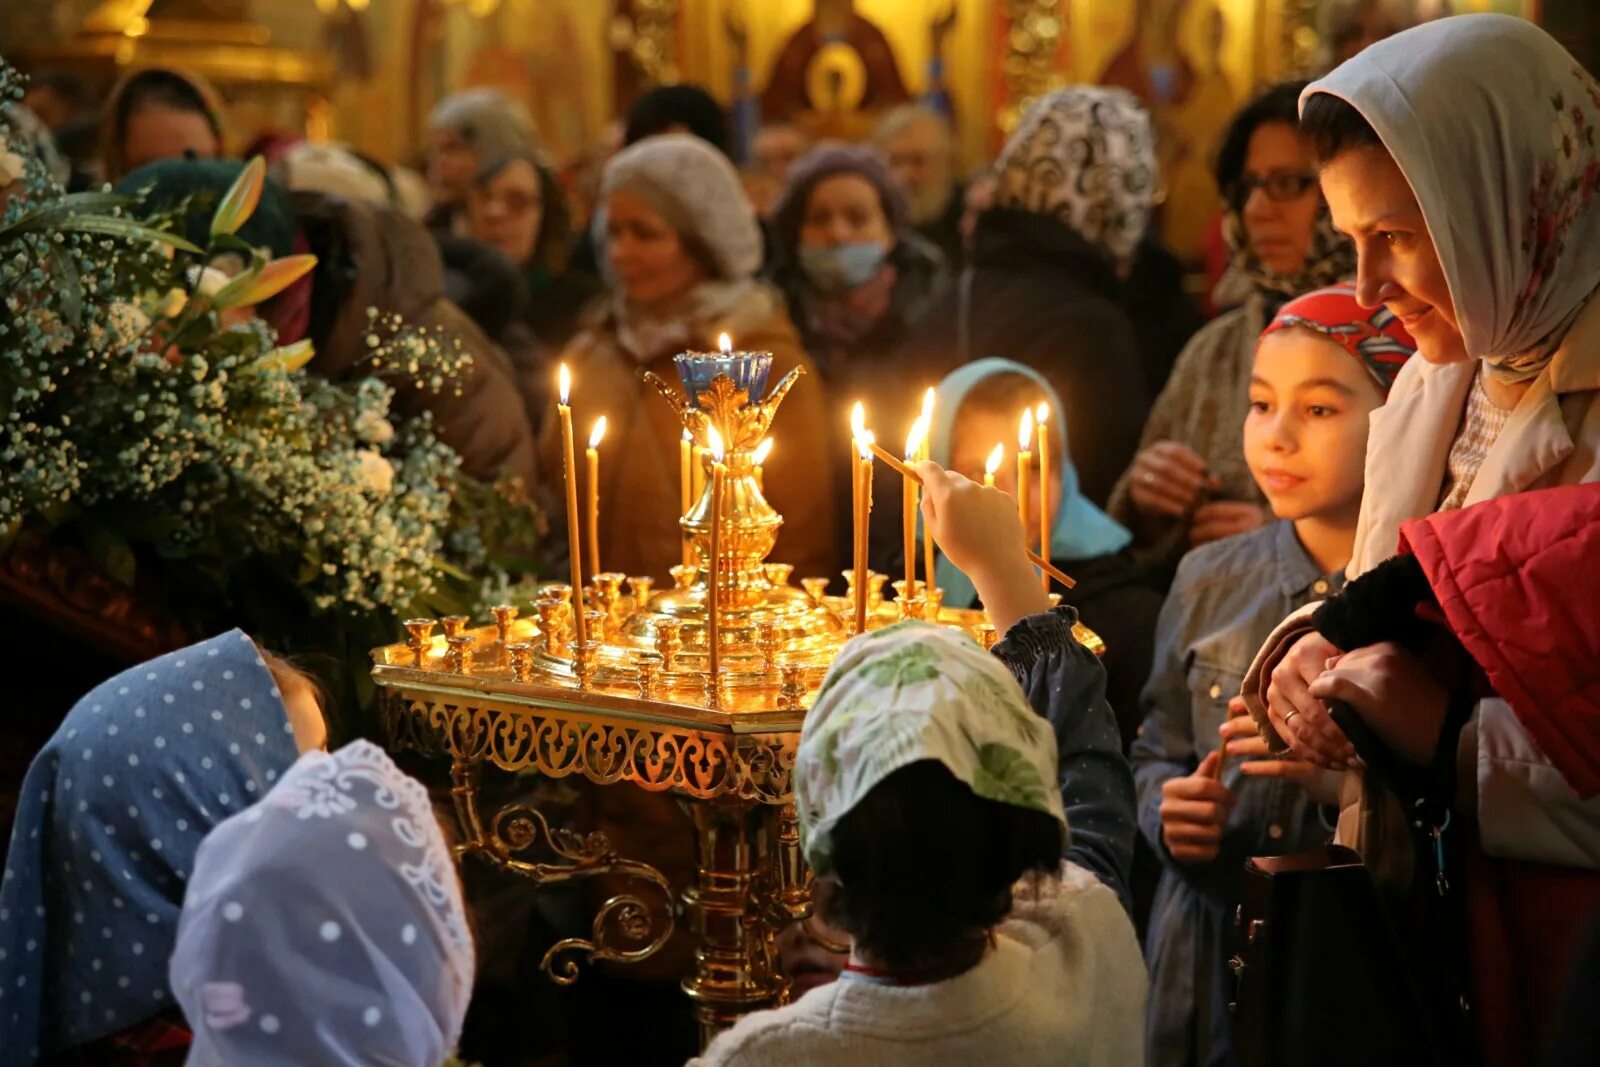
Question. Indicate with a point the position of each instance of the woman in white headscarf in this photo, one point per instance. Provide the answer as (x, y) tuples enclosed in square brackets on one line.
[(1461, 157), (684, 248), (324, 925)]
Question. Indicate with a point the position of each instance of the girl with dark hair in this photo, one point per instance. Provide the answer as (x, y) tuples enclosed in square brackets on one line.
[(1189, 484), (969, 819), (157, 114)]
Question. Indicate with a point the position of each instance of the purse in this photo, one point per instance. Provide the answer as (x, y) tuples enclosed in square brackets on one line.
[(1319, 968)]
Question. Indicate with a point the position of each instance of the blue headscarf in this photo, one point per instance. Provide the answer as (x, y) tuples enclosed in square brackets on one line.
[(110, 815), (1079, 530)]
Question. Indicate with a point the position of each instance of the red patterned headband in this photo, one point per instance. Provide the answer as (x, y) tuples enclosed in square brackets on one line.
[(1376, 338)]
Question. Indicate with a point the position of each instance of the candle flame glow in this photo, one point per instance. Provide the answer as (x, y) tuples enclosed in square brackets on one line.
[(1041, 413), (565, 378), (598, 433), (919, 430), (714, 440), (864, 442), (928, 399), (763, 450), (858, 419), (687, 436), (724, 344), (1025, 431), (996, 457)]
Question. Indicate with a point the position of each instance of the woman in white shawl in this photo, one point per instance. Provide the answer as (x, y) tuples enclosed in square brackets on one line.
[(1462, 159)]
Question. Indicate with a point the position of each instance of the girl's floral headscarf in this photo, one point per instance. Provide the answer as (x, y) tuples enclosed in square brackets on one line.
[(1494, 125), (911, 692)]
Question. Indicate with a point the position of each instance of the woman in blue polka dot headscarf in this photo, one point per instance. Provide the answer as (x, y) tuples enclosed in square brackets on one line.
[(326, 926), (111, 813)]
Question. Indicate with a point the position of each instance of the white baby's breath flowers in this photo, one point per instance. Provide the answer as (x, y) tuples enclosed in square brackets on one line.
[(374, 473)]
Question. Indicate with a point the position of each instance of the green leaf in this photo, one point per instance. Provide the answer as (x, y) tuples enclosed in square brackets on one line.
[(241, 200), (905, 666), (64, 272), (1006, 776), (114, 227)]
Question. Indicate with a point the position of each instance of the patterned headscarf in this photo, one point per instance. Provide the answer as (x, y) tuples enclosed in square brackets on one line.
[(325, 925), (1494, 125), (911, 692), (1086, 157), (1376, 338), (1330, 258), (111, 813)]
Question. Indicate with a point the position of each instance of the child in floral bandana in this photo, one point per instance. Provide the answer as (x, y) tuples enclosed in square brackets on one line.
[(935, 785)]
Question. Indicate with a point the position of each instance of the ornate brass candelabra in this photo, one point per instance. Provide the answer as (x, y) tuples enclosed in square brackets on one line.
[(637, 703)]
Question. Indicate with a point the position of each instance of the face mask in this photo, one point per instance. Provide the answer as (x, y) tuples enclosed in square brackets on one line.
[(832, 268)]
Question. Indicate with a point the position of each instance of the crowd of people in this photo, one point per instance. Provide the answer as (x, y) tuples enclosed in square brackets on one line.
[(1032, 855)]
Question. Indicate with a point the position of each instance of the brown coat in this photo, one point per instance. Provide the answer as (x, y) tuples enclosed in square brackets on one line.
[(639, 478), (375, 257)]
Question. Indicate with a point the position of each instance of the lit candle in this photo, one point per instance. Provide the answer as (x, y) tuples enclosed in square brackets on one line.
[(685, 489), (698, 489), (858, 427), (714, 580), (863, 514), (908, 503), (928, 400), (592, 454), (992, 464), (1024, 462), (1041, 416), (574, 536), (763, 450)]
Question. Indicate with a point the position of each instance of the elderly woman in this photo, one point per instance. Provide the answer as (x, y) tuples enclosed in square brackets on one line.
[(1075, 186), (1189, 483), (466, 131), (855, 277), (684, 246), (1459, 156)]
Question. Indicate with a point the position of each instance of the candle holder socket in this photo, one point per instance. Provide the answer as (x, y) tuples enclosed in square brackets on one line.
[(504, 616), (639, 588), (779, 573), (460, 652), (669, 642), (932, 603), (420, 639), (767, 643), (816, 589), (586, 662), (793, 689), (987, 637), (455, 624), (683, 575), (647, 665), (521, 656)]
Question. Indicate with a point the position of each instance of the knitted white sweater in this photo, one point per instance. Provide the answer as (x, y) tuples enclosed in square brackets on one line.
[(1065, 985)]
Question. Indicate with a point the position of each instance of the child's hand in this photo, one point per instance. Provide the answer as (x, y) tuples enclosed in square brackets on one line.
[(980, 533), (1240, 737), (1194, 810)]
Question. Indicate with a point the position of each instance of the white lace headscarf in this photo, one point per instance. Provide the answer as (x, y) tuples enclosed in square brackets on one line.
[(1494, 124), (1086, 157), (325, 925)]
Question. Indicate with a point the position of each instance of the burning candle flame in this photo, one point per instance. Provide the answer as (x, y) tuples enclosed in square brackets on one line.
[(724, 344), (598, 433), (763, 450), (687, 436), (1041, 413), (714, 441), (1025, 431), (858, 420), (996, 457), (928, 399), (919, 430), (565, 378), (864, 442)]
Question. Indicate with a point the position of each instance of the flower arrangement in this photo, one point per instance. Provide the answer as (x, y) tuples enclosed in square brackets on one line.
[(148, 417)]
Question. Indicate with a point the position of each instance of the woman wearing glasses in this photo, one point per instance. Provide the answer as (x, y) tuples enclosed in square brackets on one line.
[(1189, 485)]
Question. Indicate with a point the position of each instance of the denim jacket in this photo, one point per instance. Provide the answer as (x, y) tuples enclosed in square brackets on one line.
[(1225, 601)]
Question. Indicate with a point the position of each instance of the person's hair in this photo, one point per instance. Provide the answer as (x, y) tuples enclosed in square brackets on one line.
[(162, 88), (73, 89), (1334, 126), (667, 106), (1280, 103), (285, 675), (925, 867), (553, 244), (903, 117)]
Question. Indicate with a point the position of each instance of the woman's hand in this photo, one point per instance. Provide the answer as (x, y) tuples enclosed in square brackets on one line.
[(1394, 693), (1194, 810), (1241, 737), (978, 529), (1167, 478), (1300, 718), (1224, 518)]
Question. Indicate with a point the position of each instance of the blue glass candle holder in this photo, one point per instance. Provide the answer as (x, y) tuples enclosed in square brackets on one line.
[(747, 370)]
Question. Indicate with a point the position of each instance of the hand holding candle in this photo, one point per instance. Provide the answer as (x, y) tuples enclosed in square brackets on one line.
[(574, 534), (592, 454), (992, 464)]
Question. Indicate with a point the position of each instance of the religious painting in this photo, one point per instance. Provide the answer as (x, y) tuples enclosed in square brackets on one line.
[(837, 65)]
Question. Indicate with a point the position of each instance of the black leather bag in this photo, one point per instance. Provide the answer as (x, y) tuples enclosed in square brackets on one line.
[(1320, 972)]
